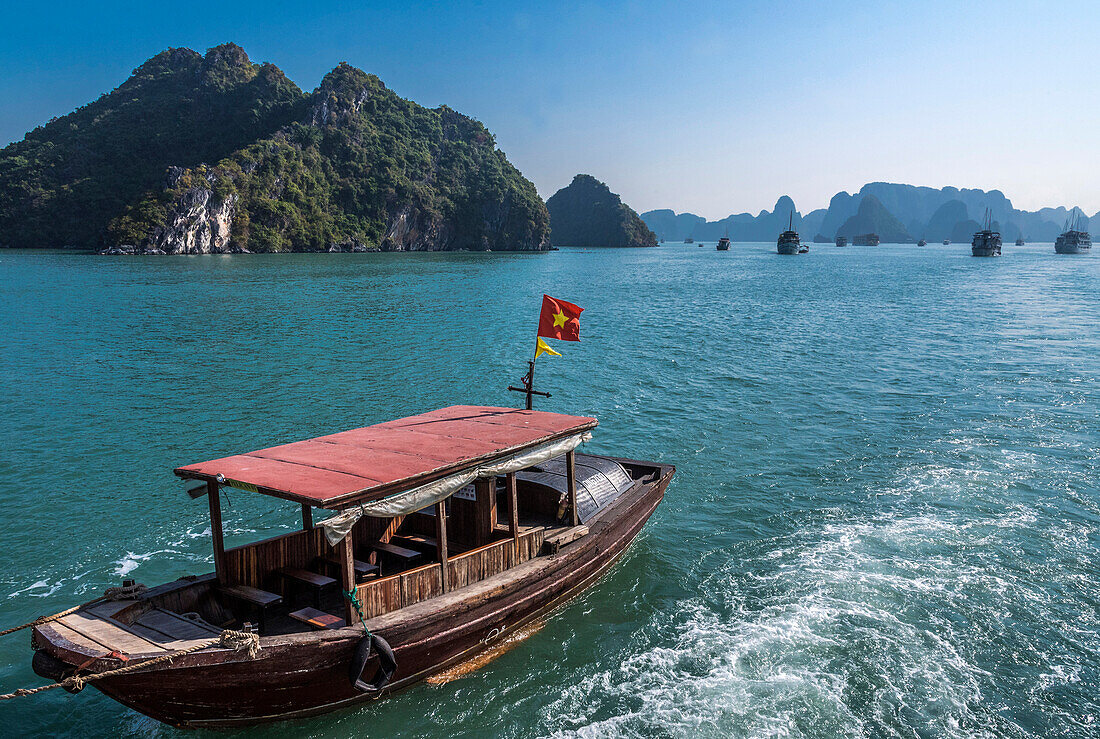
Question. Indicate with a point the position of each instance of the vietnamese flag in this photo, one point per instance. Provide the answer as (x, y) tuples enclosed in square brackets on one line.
[(559, 320)]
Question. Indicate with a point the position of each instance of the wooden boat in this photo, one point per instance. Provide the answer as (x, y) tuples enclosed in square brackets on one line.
[(723, 243), (789, 241), (987, 242), (922, 242), (841, 241), (1073, 239), (437, 574), (865, 240)]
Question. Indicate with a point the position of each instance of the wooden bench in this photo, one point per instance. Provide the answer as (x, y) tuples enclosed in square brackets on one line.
[(429, 543), (260, 599), (318, 619), (308, 580), (363, 570), (395, 551)]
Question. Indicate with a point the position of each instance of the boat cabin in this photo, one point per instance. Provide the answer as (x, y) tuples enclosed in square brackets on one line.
[(415, 508)]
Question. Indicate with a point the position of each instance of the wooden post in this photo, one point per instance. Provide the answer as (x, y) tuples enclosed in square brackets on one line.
[(307, 517), (571, 478), (213, 497), (344, 553), (485, 492), (441, 540), (513, 509)]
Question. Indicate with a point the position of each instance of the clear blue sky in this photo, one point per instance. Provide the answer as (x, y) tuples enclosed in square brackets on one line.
[(701, 106)]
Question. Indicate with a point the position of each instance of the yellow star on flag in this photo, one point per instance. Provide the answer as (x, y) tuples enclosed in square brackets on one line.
[(559, 319)]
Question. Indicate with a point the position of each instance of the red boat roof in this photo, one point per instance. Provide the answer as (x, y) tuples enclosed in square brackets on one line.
[(373, 462)]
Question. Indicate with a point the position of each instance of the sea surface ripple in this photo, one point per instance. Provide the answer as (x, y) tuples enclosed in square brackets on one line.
[(885, 520)]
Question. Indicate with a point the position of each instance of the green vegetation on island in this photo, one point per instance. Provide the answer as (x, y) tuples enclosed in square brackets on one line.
[(200, 154), (587, 213)]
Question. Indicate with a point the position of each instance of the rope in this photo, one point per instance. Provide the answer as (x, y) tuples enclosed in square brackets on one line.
[(353, 596), (125, 592), (235, 640)]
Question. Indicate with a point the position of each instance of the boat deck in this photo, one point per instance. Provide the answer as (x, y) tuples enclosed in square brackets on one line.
[(156, 631)]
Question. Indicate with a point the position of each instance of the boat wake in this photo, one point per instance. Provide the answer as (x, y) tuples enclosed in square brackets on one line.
[(925, 618)]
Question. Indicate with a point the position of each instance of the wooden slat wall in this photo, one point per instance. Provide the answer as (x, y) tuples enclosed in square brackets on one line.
[(250, 564), (399, 591)]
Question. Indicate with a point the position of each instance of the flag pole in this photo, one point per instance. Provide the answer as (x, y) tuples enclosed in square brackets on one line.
[(531, 374), (529, 380)]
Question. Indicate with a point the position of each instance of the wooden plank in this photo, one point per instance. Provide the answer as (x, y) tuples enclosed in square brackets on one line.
[(513, 508), (110, 634), (198, 623), (347, 578), (485, 517), (318, 619), (441, 540), (168, 642), (214, 497), (79, 639), (571, 482), (307, 517), (174, 626), (109, 608), (305, 577), (251, 595), (556, 541), (396, 551)]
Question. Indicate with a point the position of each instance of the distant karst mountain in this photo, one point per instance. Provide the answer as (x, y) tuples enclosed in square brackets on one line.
[(873, 218), (923, 212), (213, 153), (587, 213)]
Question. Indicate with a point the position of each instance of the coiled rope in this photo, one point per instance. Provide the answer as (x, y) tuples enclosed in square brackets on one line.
[(236, 640)]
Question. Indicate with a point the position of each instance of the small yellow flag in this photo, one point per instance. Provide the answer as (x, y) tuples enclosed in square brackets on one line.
[(544, 348)]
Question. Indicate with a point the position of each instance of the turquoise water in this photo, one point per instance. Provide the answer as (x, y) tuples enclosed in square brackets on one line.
[(884, 521)]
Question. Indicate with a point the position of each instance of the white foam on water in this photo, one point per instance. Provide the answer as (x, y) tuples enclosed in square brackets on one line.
[(132, 561), (918, 620)]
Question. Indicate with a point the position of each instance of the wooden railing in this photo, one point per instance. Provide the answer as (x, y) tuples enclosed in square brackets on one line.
[(492, 559), (403, 590), (397, 591)]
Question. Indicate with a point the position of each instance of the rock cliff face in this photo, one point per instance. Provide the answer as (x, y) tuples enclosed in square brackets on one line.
[(587, 213), (199, 224), (350, 167)]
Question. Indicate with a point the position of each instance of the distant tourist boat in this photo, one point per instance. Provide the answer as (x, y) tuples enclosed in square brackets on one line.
[(689, 240), (1020, 241), (987, 242), (922, 242), (946, 242), (453, 530), (723, 244), (841, 241), (803, 248), (788, 241), (865, 240), (1073, 240)]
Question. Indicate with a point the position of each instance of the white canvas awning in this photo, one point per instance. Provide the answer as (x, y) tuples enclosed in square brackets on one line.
[(409, 501)]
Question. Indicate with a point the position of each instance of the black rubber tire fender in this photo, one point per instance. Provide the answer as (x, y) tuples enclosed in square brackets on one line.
[(387, 664)]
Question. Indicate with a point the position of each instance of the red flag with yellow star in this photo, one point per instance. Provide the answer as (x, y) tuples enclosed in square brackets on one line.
[(559, 320)]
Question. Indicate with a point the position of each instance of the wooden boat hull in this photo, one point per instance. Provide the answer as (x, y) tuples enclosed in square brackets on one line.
[(301, 675)]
